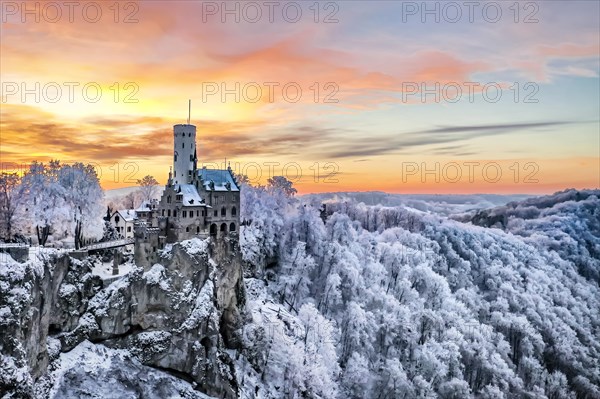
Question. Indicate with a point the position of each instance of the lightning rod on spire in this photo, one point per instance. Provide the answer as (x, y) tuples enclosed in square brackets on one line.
[(189, 110)]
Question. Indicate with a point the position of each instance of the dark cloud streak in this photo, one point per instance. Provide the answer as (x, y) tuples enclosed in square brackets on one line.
[(373, 146)]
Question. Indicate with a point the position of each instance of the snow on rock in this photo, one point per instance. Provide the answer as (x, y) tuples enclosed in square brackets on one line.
[(157, 276), (203, 309), (95, 371), (195, 246), (67, 290), (48, 290), (170, 316)]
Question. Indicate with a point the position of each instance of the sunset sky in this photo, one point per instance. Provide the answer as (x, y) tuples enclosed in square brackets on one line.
[(372, 57)]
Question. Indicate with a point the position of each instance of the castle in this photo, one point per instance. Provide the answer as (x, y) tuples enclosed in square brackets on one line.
[(195, 203)]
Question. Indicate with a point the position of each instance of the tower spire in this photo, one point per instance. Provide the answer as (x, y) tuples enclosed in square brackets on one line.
[(189, 110)]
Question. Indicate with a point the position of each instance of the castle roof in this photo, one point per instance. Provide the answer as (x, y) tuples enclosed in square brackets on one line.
[(221, 178), (145, 206), (190, 195), (129, 215)]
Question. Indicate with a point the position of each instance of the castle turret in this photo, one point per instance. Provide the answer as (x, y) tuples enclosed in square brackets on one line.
[(184, 153), (147, 243)]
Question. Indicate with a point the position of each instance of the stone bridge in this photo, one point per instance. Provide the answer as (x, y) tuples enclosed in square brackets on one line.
[(19, 252), (85, 251)]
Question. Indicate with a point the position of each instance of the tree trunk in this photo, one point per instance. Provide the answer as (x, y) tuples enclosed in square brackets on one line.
[(9, 228), (42, 234), (78, 234)]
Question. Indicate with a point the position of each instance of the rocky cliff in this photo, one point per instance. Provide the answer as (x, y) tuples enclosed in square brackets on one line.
[(179, 315)]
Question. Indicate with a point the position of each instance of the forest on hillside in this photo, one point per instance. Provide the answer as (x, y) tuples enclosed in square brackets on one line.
[(350, 300)]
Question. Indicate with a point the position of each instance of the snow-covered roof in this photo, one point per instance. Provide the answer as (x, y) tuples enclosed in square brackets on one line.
[(129, 215), (145, 206), (190, 194), (222, 179)]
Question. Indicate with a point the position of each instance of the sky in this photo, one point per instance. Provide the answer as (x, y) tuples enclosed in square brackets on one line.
[(396, 96)]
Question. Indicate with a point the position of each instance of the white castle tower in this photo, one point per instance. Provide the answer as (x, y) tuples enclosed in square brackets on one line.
[(184, 151)]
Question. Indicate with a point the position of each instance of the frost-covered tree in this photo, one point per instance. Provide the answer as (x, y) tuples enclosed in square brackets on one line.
[(45, 201), (281, 184), (130, 200), (9, 202), (295, 280), (85, 198), (262, 216), (430, 307), (64, 200), (148, 187)]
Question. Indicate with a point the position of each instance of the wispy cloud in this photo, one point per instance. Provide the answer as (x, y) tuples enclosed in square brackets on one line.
[(372, 146)]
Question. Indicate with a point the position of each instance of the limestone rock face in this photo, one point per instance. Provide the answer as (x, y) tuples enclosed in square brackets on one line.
[(95, 371), (178, 315), (46, 294)]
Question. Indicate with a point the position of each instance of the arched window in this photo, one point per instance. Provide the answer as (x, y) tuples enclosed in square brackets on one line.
[(174, 213), (169, 213), (223, 228), (223, 212), (197, 229), (232, 227), (175, 156), (163, 212), (233, 211), (182, 145), (169, 199), (213, 229), (187, 229)]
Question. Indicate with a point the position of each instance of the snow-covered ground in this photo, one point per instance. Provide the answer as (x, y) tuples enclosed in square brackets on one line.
[(105, 269)]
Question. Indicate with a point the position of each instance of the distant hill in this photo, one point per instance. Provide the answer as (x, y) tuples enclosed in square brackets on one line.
[(441, 204), (119, 192)]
